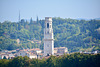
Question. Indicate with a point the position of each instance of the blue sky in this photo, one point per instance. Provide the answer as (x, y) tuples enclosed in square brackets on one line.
[(88, 9)]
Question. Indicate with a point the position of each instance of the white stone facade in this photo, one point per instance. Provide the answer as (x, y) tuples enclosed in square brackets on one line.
[(48, 37)]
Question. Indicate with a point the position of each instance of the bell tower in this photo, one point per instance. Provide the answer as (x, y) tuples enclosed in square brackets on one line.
[(48, 37)]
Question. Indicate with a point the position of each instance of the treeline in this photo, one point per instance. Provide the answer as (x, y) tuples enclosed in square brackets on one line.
[(76, 34), (71, 33), (72, 60)]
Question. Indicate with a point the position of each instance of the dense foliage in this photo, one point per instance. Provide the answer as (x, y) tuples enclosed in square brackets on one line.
[(74, 34), (72, 60)]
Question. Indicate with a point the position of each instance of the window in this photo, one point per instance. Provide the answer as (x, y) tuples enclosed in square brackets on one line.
[(47, 45), (47, 54), (47, 25), (48, 32)]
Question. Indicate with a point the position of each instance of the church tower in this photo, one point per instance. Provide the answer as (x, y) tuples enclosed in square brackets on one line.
[(48, 37)]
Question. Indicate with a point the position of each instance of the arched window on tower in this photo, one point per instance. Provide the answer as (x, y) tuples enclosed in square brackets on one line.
[(47, 25)]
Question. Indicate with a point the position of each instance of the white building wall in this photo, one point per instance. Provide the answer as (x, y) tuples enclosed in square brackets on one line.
[(32, 56)]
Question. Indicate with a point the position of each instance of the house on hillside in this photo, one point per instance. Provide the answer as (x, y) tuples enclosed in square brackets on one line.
[(36, 50), (4, 55), (31, 53), (60, 50)]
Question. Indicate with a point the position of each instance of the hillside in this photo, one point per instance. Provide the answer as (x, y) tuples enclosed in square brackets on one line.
[(74, 34)]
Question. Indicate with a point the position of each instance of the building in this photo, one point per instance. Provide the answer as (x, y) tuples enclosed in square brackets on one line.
[(10, 56), (60, 50), (22, 53), (36, 51), (4, 55), (31, 53), (48, 37), (86, 52), (32, 56), (55, 50)]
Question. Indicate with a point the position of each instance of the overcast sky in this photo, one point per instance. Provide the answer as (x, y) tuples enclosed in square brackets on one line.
[(88, 9)]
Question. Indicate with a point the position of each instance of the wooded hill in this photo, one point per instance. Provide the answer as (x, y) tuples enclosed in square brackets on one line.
[(71, 33)]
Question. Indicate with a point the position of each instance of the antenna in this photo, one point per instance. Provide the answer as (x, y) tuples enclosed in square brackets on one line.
[(19, 15), (37, 19)]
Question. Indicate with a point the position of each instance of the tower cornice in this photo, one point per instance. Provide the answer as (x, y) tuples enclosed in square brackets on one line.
[(48, 39)]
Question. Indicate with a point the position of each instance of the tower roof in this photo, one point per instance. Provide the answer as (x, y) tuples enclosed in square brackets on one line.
[(48, 19)]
